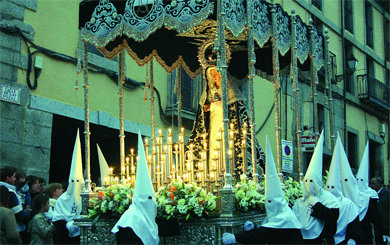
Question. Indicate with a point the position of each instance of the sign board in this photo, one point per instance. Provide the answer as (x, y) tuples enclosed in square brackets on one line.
[(10, 93), (308, 140), (287, 156)]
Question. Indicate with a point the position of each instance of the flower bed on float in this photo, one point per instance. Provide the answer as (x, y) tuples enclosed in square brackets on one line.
[(177, 200), (183, 201)]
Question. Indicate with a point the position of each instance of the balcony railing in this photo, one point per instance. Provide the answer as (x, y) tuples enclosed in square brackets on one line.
[(373, 92)]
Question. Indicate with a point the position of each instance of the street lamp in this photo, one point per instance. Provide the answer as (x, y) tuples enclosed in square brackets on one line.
[(352, 63)]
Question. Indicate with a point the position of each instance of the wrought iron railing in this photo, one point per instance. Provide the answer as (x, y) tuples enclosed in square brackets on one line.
[(373, 91)]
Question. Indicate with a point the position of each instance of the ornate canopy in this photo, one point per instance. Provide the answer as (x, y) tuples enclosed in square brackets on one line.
[(172, 31)]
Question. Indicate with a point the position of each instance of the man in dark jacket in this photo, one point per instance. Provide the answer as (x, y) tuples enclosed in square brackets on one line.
[(383, 205)]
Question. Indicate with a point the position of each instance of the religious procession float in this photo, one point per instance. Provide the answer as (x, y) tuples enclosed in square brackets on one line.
[(214, 182)]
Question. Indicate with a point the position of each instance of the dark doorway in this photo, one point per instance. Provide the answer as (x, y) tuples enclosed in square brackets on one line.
[(62, 143)]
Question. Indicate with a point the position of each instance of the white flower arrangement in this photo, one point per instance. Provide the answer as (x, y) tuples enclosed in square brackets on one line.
[(182, 201), (111, 202), (249, 195)]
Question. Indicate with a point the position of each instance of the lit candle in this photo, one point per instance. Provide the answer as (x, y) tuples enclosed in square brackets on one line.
[(177, 159), (149, 163), (169, 131), (127, 167), (105, 181)]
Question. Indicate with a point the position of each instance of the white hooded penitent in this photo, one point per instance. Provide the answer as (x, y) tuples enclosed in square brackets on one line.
[(348, 211), (312, 186), (362, 176), (104, 169), (279, 214), (68, 206), (142, 212), (349, 186)]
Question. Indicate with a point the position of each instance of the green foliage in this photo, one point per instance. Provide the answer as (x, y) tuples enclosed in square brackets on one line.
[(251, 196)]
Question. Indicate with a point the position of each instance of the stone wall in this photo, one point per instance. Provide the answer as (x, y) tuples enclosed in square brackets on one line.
[(25, 135)]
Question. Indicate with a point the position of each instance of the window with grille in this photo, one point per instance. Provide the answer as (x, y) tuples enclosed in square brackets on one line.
[(191, 90), (348, 15), (387, 40), (317, 4), (369, 25)]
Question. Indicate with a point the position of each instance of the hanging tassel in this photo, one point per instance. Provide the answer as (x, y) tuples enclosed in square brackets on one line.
[(152, 98), (78, 66), (179, 101), (176, 80), (147, 85)]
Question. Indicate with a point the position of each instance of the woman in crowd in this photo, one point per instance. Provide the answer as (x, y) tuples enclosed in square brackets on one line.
[(40, 229), (33, 184)]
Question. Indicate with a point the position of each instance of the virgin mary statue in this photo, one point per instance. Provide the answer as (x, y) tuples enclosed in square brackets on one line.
[(209, 122)]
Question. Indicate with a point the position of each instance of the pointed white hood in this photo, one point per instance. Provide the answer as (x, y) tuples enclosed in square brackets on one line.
[(68, 206), (362, 176), (348, 211), (142, 212), (279, 214), (104, 169), (349, 186), (312, 186)]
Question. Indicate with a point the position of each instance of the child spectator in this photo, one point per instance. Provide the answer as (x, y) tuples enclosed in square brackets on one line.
[(54, 191), (40, 229)]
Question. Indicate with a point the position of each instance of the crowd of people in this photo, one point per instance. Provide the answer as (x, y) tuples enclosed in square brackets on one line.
[(27, 208)]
